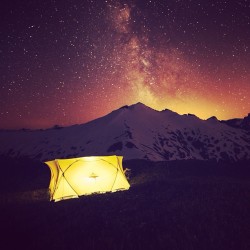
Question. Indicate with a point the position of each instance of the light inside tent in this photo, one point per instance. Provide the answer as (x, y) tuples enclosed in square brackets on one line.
[(71, 178)]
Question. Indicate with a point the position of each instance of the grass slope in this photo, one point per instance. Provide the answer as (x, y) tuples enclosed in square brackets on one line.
[(171, 205)]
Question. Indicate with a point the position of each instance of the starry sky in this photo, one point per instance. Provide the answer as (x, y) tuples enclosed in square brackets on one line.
[(71, 61)]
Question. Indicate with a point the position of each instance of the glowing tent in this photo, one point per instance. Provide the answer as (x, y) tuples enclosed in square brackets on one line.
[(71, 178)]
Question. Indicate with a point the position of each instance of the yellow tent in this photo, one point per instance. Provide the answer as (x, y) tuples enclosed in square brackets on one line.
[(71, 178)]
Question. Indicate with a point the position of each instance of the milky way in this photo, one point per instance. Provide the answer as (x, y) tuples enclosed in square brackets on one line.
[(68, 62)]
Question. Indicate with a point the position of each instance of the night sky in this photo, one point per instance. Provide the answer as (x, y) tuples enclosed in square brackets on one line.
[(67, 62)]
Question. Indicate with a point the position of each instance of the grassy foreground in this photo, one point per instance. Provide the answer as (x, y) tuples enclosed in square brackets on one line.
[(173, 205)]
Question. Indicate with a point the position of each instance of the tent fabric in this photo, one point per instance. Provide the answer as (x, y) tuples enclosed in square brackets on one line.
[(71, 178)]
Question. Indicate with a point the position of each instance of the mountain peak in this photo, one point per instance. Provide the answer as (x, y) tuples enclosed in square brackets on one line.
[(134, 105), (138, 104), (212, 118), (248, 116)]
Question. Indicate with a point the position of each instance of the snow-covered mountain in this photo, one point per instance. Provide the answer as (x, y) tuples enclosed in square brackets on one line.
[(136, 132)]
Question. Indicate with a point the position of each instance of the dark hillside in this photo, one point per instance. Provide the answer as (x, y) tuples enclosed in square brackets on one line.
[(171, 205), (22, 174)]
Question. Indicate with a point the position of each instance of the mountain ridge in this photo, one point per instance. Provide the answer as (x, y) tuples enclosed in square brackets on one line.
[(136, 132), (234, 122)]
